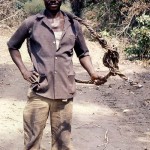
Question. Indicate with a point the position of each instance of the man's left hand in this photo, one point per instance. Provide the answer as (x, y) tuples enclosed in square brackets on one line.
[(98, 79)]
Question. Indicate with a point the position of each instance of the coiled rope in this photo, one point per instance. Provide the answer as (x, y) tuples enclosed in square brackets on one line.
[(110, 58)]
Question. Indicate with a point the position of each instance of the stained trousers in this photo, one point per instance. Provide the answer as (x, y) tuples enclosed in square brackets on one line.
[(35, 115)]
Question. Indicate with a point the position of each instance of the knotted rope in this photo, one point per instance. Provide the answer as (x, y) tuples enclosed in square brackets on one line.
[(110, 58)]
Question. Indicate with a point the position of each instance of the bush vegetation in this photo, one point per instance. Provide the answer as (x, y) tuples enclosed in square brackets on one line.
[(122, 18), (140, 39)]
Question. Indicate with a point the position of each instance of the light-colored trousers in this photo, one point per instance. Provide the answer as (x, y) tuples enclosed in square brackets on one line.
[(35, 116)]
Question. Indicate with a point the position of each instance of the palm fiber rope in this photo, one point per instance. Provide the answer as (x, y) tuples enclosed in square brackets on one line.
[(110, 58)]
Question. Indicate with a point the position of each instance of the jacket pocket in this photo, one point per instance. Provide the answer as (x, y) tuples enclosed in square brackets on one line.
[(41, 85), (71, 84)]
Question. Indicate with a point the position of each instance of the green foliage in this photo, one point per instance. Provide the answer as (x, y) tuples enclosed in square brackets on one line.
[(105, 14), (20, 3), (33, 7), (140, 38)]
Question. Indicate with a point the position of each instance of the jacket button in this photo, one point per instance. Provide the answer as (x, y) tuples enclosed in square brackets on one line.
[(56, 58)]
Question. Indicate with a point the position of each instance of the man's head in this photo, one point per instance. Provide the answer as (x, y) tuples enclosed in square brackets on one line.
[(53, 5)]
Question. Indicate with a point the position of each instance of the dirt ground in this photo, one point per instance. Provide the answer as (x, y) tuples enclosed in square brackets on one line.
[(114, 116)]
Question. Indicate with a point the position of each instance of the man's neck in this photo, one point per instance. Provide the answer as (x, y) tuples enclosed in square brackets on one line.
[(53, 14), (56, 20)]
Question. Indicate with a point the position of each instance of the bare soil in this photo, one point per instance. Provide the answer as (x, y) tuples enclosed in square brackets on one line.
[(114, 116)]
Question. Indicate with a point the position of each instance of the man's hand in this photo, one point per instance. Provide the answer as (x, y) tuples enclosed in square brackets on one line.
[(95, 77), (31, 76), (98, 80)]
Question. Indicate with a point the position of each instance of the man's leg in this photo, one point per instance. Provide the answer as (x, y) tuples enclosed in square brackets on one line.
[(61, 117), (35, 115)]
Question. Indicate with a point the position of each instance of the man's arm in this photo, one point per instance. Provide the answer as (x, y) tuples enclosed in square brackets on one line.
[(84, 58), (87, 65), (30, 76), (14, 44)]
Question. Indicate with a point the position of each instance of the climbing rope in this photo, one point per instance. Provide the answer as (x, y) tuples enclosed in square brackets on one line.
[(110, 58)]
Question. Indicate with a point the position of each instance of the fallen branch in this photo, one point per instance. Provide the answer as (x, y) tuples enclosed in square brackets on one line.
[(106, 139)]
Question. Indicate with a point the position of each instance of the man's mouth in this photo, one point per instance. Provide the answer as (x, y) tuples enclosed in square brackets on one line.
[(52, 4)]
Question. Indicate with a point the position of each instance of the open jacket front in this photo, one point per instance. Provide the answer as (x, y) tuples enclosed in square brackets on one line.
[(54, 66)]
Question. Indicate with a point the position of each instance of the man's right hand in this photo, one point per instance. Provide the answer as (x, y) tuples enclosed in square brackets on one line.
[(30, 76)]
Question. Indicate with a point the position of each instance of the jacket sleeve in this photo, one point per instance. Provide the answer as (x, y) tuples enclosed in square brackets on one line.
[(18, 37), (80, 45)]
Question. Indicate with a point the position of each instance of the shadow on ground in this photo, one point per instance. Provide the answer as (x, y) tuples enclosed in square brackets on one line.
[(121, 109)]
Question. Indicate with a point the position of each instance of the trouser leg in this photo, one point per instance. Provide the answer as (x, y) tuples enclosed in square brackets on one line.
[(35, 115), (61, 116)]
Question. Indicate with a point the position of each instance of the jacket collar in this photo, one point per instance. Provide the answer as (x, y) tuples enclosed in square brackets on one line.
[(42, 16)]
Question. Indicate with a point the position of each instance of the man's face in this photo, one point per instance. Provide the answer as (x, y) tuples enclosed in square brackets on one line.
[(52, 5)]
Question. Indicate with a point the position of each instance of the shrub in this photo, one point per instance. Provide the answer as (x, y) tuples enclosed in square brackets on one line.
[(33, 7), (140, 39)]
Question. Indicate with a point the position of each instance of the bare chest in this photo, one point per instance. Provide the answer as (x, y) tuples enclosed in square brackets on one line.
[(57, 24)]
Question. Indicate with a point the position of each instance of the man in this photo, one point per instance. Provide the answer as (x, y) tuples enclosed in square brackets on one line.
[(51, 36)]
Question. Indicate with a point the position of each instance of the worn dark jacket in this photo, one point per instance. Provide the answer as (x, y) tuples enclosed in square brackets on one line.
[(54, 66)]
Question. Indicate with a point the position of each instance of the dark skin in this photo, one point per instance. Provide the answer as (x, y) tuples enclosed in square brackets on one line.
[(56, 20)]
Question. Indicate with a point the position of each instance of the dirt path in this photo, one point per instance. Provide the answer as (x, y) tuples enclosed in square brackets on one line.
[(114, 116)]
